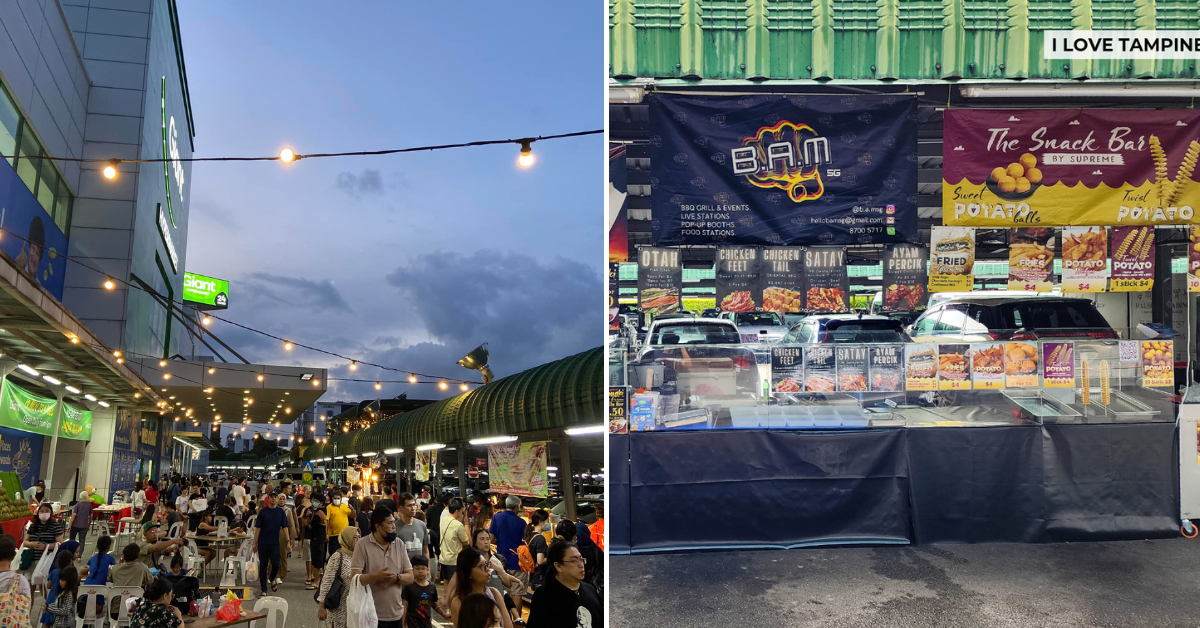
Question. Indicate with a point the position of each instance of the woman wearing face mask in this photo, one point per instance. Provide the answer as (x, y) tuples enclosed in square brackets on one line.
[(339, 566), (44, 531)]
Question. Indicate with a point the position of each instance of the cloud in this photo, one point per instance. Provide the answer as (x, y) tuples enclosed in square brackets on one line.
[(368, 183), (314, 294)]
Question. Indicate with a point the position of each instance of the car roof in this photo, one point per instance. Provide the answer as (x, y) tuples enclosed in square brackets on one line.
[(846, 317), (692, 321), (993, 300)]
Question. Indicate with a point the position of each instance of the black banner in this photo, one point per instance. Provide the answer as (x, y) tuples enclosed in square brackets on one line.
[(820, 369), (787, 369), (852, 368), (769, 169), (660, 280), (826, 280), (887, 374), (904, 278), (782, 267), (614, 291), (738, 285)]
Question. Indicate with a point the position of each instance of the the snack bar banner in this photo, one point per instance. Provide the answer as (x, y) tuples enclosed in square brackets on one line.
[(904, 278), (1158, 363), (782, 270), (771, 169), (1132, 259), (954, 367), (519, 469), (826, 280), (1030, 258), (660, 280), (1064, 167), (1058, 364), (952, 259), (1193, 273), (1021, 364), (738, 279), (852, 368), (1084, 259)]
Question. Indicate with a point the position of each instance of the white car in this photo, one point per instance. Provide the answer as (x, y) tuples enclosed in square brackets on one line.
[(765, 326)]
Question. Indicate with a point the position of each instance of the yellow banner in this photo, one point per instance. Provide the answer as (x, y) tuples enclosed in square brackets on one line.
[(977, 205), (1130, 285)]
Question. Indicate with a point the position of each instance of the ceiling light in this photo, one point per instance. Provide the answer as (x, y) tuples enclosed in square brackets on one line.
[(368, 454), (52, 380), (492, 440), (28, 369), (429, 447), (392, 452), (102, 404), (590, 429), (73, 390)]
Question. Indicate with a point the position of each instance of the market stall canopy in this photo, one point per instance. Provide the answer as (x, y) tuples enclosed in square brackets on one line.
[(195, 440), (37, 331), (547, 398), (233, 392)]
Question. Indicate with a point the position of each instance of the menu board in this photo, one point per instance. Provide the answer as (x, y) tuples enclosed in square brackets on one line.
[(1021, 364), (920, 367), (1084, 259), (1158, 363), (1132, 259), (660, 280), (1058, 364), (618, 410), (852, 368), (820, 369), (1193, 272), (954, 367), (787, 369), (738, 287), (952, 259), (1030, 258), (904, 278), (987, 365), (782, 269), (826, 280), (886, 369)]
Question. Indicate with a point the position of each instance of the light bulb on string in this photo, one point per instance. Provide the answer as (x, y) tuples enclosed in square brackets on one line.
[(412, 379), (353, 366), (207, 320), (526, 157), (378, 386), (260, 377), (109, 284), (443, 385), (110, 170), (287, 156), (463, 387), (287, 346)]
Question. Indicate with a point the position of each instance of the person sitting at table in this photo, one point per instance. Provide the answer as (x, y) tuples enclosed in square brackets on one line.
[(149, 514), (150, 548), (225, 509), (156, 610), (130, 572), (170, 515), (207, 527), (177, 566)]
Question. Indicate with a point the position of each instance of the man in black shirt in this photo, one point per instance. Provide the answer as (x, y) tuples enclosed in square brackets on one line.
[(270, 523), (565, 599)]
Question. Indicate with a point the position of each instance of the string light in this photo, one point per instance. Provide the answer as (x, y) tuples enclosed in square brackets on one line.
[(211, 370), (316, 382), (260, 377), (353, 366), (287, 346), (463, 387), (378, 386), (162, 362), (443, 385), (526, 157), (287, 156), (207, 320), (109, 284), (110, 170), (412, 379)]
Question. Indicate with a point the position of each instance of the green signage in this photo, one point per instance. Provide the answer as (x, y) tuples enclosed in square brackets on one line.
[(210, 292), (25, 411)]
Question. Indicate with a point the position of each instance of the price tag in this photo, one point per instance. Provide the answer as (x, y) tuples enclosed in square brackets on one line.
[(1129, 350)]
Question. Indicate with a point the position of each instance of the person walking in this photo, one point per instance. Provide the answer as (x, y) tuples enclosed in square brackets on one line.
[(472, 574), (454, 537), (337, 516), (269, 528), (44, 531), (410, 530), (239, 493), (317, 538), (508, 531), (565, 599), (382, 561), (433, 519), (81, 517), (339, 567), (363, 515)]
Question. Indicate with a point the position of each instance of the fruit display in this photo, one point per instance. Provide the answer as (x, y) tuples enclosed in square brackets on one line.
[(11, 508)]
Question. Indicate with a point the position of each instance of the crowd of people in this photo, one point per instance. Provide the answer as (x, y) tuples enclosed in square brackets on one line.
[(475, 561)]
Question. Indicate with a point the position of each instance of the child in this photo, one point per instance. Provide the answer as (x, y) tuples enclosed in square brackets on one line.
[(62, 610), (62, 560), (130, 572), (97, 572), (177, 565), (420, 598)]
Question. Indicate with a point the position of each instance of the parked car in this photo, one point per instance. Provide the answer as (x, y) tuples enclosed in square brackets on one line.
[(705, 353), (711, 312), (984, 318), (846, 329), (768, 325)]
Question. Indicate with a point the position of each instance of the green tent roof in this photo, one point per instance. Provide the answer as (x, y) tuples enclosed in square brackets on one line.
[(556, 395)]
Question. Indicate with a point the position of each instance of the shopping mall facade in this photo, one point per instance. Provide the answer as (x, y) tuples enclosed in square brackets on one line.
[(104, 81)]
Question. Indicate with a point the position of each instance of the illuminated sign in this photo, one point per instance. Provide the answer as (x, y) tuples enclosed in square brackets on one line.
[(208, 292), (170, 133), (164, 229)]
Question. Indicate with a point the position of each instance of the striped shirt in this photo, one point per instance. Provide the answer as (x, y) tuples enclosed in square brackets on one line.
[(45, 532)]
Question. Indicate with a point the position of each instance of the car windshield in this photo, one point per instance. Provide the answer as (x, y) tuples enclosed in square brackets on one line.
[(759, 319), (693, 334), (864, 332), (1038, 314)]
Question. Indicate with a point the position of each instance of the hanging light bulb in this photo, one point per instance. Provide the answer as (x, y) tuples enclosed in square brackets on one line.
[(287, 346), (260, 377), (378, 386), (287, 156), (443, 385), (462, 387), (162, 362), (412, 379), (166, 376), (109, 284), (110, 170), (526, 158), (117, 353), (353, 365), (207, 320), (316, 382)]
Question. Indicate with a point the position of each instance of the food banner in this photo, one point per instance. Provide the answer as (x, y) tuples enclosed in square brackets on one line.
[(660, 280), (1193, 258), (614, 292), (904, 278), (954, 367), (424, 465), (519, 469), (987, 365), (21, 453), (952, 259), (886, 369), (1158, 363), (820, 369), (1132, 259), (738, 279), (1064, 167), (920, 367), (772, 169), (1084, 259), (782, 269), (826, 280), (787, 369), (851, 368), (1030, 258), (618, 206), (1020, 364), (618, 412), (1058, 364)]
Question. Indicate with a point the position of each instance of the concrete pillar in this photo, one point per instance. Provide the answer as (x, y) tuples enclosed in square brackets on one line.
[(462, 470), (58, 394), (564, 474)]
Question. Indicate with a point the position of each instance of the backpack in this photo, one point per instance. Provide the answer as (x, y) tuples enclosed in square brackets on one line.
[(526, 558)]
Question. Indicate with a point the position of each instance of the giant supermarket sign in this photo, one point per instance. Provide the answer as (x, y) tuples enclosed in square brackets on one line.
[(207, 293)]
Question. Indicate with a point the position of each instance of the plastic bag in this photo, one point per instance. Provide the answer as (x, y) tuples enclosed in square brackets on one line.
[(252, 568), (42, 571), (360, 607), (230, 611)]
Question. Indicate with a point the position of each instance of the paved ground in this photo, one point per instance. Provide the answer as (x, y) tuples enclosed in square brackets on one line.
[(1135, 583)]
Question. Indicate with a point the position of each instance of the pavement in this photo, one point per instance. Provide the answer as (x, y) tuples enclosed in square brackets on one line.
[(1126, 584)]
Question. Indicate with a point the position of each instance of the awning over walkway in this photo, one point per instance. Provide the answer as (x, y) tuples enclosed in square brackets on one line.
[(548, 398), (194, 440), (232, 393)]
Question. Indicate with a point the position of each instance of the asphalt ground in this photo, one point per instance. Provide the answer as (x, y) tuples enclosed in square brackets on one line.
[(1130, 583)]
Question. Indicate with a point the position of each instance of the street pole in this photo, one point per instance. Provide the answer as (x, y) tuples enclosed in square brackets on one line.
[(58, 394), (462, 472), (565, 476)]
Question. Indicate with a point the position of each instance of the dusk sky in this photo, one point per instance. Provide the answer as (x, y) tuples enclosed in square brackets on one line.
[(409, 260)]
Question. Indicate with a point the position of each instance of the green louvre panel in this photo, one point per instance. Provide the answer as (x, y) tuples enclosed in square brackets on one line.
[(1176, 15), (918, 43)]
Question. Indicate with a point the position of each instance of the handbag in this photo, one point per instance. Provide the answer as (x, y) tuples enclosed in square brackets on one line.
[(333, 598)]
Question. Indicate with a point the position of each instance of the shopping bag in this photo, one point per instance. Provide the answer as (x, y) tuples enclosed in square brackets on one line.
[(222, 529), (14, 607), (252, 568), (42, 571), (230, 611), (360, 608)]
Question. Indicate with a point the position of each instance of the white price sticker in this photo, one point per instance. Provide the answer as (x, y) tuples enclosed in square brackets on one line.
[(1129, 350)]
